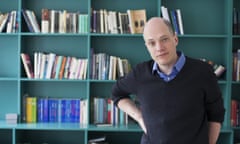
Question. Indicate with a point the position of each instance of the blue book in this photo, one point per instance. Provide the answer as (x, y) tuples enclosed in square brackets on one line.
[(75, 110), (66, 110), (63, 109), (42, 110), (53, 110), (174, 21)]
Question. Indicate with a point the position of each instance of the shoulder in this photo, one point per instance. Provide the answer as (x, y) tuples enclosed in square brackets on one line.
[(143, 68), (197, 63), (199, 66)]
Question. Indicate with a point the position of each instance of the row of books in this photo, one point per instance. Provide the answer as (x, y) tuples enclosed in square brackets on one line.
[(105, 112), (175, 17), (62, 110), (114, 22), (218, 68), (9, 22), (236, 65), (53, 66), (236, 21), (56, 21), (108, 67)]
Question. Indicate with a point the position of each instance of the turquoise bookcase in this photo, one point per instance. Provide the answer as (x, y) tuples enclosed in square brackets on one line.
[(208, 34)]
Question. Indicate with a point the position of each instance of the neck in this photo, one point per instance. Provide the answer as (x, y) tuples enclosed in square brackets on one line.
[(167, 68)]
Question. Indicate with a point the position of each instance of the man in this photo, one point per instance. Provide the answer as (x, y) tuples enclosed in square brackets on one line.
[(180, 101)]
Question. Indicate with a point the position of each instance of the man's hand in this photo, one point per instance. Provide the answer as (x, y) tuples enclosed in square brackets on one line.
[(128, 106)]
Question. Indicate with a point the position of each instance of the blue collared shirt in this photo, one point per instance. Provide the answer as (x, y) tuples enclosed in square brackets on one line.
[(176, 68)]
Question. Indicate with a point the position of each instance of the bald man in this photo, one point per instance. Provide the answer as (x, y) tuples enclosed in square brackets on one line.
[(180, 100)]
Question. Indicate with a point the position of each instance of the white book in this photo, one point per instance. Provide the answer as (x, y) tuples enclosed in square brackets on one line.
[(63, 21), (105, 13), (42, 66), (101, 21), (180, 21), (52, 21), (110, 23), (36, 64), (32, 18), (78, 69), (110, 70), (85, 62), (120, 67), (82, 72), (73, 68), (44, 26), (3, 21), (114, 19), (165, 13), (10, 23), (51, 59)]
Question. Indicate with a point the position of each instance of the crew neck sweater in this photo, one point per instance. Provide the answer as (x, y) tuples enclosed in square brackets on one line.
[(178, 111)]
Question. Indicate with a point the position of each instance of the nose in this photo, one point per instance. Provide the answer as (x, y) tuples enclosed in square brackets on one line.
[(159, 45)]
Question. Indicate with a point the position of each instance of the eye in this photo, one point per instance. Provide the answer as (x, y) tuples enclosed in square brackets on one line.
[(165, 39), (151, 43)]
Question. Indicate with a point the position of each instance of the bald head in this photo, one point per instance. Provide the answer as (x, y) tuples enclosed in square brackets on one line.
[(156, 24)]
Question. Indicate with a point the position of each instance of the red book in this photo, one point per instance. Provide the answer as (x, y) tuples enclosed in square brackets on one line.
[(27, 65)]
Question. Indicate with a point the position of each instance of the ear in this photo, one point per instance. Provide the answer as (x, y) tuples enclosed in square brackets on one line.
[(176, 39)]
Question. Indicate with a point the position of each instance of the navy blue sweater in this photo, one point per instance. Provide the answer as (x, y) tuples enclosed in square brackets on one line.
[(174, 112)]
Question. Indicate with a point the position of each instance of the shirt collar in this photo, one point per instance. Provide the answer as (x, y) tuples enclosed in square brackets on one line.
[(178, 66)]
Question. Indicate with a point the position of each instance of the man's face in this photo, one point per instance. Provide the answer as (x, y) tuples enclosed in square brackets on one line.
[(160, 43)]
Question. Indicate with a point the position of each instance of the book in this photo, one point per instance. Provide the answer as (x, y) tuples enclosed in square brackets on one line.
[(27, 21), (175, 21), (180, 21), (11, 118), (42, 109), (45, 21), (165, 13), (31, 109), (137, 20), (53, 109), (31, 21), (62, 67), (3, 21), (234, 111), (83, 111), (49, 68), (27, 65)]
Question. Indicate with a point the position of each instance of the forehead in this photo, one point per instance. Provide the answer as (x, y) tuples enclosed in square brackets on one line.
[(156, 31)]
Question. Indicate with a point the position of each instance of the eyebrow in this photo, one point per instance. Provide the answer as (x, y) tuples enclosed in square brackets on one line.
[(161, 37)]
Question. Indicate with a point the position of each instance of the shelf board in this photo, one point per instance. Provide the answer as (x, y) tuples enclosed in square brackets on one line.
[(54, 80), (127, 128), (52, 34), (44, 126)]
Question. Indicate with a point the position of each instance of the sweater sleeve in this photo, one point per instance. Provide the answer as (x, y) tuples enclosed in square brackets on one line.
[(213, 100), (124, 87)]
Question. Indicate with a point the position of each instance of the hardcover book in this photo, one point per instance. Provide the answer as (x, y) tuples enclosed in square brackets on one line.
[(137, 20)]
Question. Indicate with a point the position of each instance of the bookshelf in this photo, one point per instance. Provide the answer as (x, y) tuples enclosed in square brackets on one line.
[(208, 34)]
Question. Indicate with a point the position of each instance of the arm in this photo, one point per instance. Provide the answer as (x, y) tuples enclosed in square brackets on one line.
[(128, 106), (213, 131)]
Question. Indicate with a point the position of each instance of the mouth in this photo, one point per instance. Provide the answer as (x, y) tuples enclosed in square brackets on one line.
[(162, 55)]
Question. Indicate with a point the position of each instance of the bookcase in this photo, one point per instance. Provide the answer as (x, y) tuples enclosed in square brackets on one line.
[(208, 34)]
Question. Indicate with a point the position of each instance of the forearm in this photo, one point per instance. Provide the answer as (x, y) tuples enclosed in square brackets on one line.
[(213, 131), (128, 106)]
